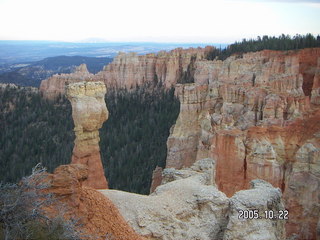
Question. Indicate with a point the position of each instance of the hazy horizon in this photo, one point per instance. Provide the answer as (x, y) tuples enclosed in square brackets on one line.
[(101, 41), (203, 21)]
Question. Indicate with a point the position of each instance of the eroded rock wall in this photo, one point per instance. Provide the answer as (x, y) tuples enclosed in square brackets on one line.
[(258, 115), (56, 85), (89, 112), (130, 70)]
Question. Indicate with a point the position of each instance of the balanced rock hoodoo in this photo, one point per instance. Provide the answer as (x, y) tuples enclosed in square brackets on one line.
[(89, 112)]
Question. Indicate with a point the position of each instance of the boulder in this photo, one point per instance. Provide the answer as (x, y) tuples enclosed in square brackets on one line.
[(251, 211)]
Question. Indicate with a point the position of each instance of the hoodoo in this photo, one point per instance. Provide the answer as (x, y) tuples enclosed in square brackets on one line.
[(89, 112)]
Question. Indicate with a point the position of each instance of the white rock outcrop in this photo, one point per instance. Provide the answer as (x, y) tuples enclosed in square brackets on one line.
[(189, 206), (262, 197)]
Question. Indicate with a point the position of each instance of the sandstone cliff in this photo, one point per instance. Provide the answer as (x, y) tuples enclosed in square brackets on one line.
[(55, 85), (257, 115), (89, 112), (130, 70), (98, 216), (189, 206)]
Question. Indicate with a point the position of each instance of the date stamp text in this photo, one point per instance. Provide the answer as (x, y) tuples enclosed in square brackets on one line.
[(268, 214)]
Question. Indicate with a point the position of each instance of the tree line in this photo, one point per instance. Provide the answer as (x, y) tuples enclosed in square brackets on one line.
[(133, 139), (33, 130), (282, 42)]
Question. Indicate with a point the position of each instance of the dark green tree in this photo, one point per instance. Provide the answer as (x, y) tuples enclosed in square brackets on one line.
[(133, 140)]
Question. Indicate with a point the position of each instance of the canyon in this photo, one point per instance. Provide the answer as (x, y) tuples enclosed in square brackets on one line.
[(255, 114)]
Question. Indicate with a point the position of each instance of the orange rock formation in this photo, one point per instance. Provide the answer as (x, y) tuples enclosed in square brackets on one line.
[(258, 116), (130, 70), (55, 85), (89, 112), (97, 214)]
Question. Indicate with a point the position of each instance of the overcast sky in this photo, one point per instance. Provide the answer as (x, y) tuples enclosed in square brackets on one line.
[(207, 21)]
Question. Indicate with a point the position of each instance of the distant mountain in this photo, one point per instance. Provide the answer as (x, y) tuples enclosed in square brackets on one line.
[(31, 74), (28, 51)]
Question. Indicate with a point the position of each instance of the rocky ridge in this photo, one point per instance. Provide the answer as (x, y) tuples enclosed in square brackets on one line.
[(129, 70), (89, 112)]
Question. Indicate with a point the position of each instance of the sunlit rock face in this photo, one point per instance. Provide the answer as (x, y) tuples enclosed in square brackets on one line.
[(131, 70), (89, 112), (258, 115)]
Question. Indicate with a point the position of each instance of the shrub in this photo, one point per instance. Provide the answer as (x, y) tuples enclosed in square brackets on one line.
[(22, 214)]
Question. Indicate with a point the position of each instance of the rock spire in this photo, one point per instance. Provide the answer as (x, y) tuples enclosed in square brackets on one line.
[(89, 112)]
